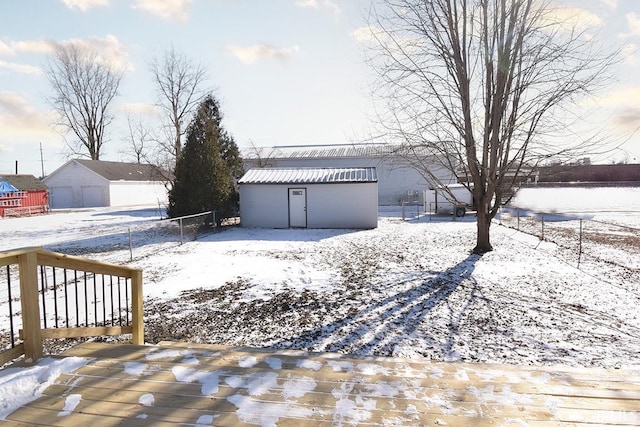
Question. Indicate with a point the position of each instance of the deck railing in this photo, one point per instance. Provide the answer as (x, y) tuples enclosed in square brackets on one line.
[(47, 295)]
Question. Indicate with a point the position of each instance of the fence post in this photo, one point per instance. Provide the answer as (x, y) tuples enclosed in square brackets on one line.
[(181, 236), (402, 202), (542, 236), (28, 264), (518, 219), (130, 246), (137, 312), (580, 244)]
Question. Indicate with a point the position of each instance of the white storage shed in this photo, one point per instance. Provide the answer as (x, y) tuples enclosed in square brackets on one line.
[(309, 198), (81, 183)]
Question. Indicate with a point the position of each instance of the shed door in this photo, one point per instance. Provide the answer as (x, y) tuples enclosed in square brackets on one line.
[(298, 207)]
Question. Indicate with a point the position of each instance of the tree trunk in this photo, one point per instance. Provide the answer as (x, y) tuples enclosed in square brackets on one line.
[(483, 243)]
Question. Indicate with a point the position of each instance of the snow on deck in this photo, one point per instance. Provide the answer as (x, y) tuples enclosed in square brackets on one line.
[(202, 385)]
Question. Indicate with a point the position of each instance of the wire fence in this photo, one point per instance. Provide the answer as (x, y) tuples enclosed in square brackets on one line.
[(127, 243), (582, 240)]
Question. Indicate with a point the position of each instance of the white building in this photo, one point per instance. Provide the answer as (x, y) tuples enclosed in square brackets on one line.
[(399, 173), (309, 198), (83, 183)]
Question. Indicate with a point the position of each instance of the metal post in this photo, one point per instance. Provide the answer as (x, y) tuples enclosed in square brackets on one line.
[(518, 219), (542, 236), (130, 246), (580, 244), (402, 202), (181, 236)]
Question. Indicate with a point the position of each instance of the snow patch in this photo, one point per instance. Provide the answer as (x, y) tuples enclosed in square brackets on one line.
[(70, 403), (274, 363), (205, 420), (135, 368), (146, 399), (298, 387), (247, 362), (210, 380), (154, 354), (313, 365), (19, 386)]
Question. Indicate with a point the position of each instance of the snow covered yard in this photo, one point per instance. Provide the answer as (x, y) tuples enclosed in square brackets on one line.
[(407, 289)]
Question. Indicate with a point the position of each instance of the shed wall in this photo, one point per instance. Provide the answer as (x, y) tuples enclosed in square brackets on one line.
[(340, 205), (264, 206)]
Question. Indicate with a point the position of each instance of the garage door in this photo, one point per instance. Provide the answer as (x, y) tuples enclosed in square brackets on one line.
[(91, 197), (61, 197)]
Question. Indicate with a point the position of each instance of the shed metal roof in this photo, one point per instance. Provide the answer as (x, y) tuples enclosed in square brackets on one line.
[(309, 176)]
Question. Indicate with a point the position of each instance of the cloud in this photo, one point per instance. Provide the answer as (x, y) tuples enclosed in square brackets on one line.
[(5, 49), (633, 21), (84, 5), (170, 10), (368, 34), (108, 49), (613, 4), (26, 46), (19, 119), (20, 68), (629, 119), (256, 52), (573, 18), (324, 5), (141, 109)]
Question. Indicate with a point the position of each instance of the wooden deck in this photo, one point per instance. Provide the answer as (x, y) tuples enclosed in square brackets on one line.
[(181, 384)]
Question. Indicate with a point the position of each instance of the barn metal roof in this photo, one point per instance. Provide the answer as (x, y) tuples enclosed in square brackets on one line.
[(309, 175), (332, 151)]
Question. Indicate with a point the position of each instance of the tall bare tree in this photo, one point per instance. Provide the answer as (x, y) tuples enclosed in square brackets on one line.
[(485, 87), (179, 83), (83, 88)]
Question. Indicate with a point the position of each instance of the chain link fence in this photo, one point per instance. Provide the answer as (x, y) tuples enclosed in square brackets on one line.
[(580, 240), (127, 243)]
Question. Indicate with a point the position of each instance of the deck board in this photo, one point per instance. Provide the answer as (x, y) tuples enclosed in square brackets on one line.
[(195, 384)]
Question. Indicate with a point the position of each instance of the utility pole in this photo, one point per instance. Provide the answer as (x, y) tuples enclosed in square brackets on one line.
[(41, 160)]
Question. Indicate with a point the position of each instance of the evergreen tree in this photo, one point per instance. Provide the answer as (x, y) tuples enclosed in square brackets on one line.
[(207, 168)]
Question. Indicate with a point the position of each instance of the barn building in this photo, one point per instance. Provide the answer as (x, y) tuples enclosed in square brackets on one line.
[(81, 183), (400, 178), (22, 195), (309, 198)]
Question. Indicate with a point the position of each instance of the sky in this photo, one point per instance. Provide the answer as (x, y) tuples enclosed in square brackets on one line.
[(287, 72)]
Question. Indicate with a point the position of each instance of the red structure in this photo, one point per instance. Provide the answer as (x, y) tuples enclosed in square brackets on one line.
[(25, 195)]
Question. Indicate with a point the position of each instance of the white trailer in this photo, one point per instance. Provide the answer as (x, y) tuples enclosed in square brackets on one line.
[(450, 199)]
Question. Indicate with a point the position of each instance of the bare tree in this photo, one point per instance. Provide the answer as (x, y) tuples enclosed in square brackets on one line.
[(484, 87), (179, 83), (83, 88), (259, 157), (139, 138)]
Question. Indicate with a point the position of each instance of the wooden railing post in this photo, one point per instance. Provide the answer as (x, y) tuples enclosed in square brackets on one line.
[(28, 263), (137, 313)]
